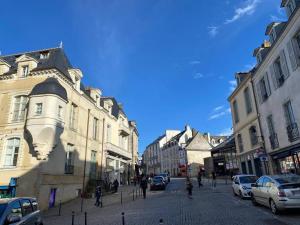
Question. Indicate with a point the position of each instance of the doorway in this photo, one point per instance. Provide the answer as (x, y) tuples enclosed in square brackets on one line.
[(52, 197)]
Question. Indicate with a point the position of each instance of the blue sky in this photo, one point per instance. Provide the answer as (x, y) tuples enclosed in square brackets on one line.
[(170, 62)]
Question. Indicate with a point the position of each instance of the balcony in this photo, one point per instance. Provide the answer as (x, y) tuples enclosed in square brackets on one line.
[(293, 132), (69, 169), (124, 131), (117, 151), (274, 141)]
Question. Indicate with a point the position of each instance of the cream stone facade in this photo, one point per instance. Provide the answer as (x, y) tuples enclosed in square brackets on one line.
[(57, 137), (249, 142)]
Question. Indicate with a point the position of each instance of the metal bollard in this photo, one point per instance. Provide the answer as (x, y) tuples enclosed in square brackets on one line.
[(73, 216), (121, 197), (59, 208), (161, 221), (132, 195), (136, 193), (123, 218), (85, 218)]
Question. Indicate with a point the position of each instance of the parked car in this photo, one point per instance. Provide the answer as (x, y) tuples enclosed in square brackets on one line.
[(157, 183), (166, 177), (20, 211), (241, 185), (279, 192)]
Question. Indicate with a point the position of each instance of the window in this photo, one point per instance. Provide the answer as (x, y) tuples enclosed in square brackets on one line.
[(73, 116), (272, 36), (12, 151), (240, 142), (280, 70), (26, 206), (248, 100), (93, 164), (253, 135), (108, 134), (263, 88), (60, 111), (293, 47), (289, 115), (235, 111), (38, 108), (273, 136), (290, 7), (69, 161), (95, 128), (16, 209), (270, 125), (19, 108), (25, 71), (44, 55)]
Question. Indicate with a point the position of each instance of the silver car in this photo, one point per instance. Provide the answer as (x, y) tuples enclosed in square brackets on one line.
[(241, 185), (279, 192), (20, 211)]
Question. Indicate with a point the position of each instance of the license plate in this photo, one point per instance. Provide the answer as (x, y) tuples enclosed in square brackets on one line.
[(296, 192)]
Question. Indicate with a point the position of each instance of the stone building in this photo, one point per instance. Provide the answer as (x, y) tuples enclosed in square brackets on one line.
[(247, 132), (56, 135)]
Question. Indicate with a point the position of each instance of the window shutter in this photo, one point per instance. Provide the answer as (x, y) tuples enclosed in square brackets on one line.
[(296, 49), (284, 65), (292, 55), (274, 75), (258, 92), (268, 88)]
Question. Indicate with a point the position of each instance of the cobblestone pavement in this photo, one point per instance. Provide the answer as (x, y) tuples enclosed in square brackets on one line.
[(207, 207)]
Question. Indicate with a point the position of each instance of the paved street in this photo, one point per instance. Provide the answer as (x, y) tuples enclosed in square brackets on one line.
[(208, 207)]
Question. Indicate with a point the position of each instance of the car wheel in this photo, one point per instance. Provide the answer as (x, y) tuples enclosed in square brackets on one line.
[(240, 194), (273, 207), (254, 202)]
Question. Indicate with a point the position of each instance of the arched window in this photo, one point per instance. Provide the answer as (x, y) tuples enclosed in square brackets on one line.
[(253, 135), (19, 108), (240, 142), (11, 152)]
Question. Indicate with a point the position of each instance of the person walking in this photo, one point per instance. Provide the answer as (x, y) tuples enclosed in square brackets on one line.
[(144, 185), (199, 179), (214, 177), (98, 195), (116, 185), (189, 187)]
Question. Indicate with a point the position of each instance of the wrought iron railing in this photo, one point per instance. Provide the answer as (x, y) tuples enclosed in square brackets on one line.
[(293, 132), (274, 141)]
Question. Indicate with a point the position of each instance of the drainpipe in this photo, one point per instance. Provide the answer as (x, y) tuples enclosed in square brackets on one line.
[(84, 167), (102, 150), (259, 123)]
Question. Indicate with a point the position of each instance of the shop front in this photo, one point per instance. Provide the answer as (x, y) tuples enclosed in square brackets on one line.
[(254, 162), (287, 160), (9, 191)]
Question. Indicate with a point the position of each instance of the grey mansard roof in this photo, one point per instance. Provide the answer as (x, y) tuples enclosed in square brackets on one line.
[(57, 60), (50, 86)]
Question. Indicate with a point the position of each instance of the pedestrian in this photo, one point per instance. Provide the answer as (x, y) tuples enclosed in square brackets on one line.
[(214, 177), (189, 187), (116, 185), (144, 185), (98, 195), (199, 179)]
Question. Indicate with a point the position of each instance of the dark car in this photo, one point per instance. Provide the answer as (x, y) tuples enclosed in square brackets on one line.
[(158, 183), (20, 211), (166, 177)]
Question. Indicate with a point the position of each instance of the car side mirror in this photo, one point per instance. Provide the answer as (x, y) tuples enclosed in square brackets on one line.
[(13, 219)]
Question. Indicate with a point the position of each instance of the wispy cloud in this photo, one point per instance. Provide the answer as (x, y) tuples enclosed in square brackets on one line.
[(194, 62), (198, 76), (218, 113), (248, 9), (213, 31), (280, 16), (232, 85), (226, 132)]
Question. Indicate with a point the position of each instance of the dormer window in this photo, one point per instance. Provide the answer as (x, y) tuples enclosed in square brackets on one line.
[(44, 55), (38, 109), (25, 71), (290, 7), (272, 36), (258, 57)]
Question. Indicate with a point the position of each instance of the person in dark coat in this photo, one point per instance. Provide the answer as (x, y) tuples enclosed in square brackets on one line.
[(214, 181), (199, 179), (189, 187), (144, 185), (116, 185), (98, 195)]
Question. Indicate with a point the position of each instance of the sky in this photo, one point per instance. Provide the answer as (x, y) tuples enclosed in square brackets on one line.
[(169, 62)]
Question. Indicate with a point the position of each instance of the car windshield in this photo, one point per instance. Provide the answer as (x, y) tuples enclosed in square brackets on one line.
[(248, 180), (288, 179), (157, 179), (2, 208), (163, 175)]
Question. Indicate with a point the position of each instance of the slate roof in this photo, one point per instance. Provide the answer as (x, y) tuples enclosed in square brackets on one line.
[(156, 140), (226, 145), (50, 86), (57, 60), (116, 109), (177, 136)]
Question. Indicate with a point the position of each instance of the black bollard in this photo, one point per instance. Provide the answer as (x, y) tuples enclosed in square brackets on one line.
[(73, 216), (123, 218), (132, 195), (59, 208), (85, 218), (161, 221), (136, 193), (121, 197)]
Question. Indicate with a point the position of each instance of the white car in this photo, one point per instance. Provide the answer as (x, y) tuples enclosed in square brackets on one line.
[(241, 185)]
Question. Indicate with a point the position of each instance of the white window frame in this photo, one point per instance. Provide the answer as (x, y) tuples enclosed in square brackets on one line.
[(25, 70), (4, 152), (38, 108), (21, 112)]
